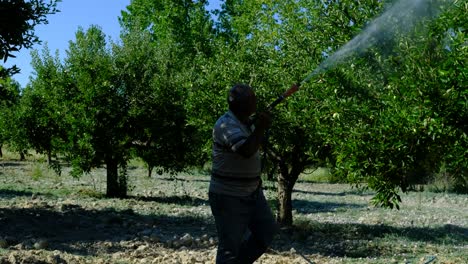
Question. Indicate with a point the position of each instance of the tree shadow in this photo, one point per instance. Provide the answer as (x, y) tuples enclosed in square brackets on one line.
[(174, 199), (356, 240), (89, 232), (76, 230), (185, 179), (7, 194), (12, 164), (343, 193), (271, 187), (307, 207), (200, 179)]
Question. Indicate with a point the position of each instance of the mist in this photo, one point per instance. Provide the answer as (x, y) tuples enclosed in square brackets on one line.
[(397, 20)]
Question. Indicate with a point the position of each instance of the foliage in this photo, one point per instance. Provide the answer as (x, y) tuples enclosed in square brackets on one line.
[(186, 23), (385, 119), (17, 22), (155, 102), (97, 109), (270, 45), (9, 94), (163, 38), (41, 113), (411, 124), (11, 130), (371, 119)]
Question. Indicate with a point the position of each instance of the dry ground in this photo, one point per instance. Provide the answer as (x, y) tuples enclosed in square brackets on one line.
[(49, 219)]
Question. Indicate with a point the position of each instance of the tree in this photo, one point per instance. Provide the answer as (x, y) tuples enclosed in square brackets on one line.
[(156, 116), (41, 111), (185, 22), (452, 93), (124, 100), (440, 84), (271, 45), (18, 20), (357, 117), (402, 136), (164, 38), (96, 107), (10, 94)]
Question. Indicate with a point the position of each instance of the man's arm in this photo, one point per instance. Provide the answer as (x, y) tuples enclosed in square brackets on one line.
[(253, 142)]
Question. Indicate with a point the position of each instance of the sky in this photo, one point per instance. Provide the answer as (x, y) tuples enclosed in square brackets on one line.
[(63, 26)]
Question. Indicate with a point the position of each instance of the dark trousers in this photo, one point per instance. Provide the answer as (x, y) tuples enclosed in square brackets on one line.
[(245, 226)]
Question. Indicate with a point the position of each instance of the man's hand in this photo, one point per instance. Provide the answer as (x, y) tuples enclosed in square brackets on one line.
[(263, 121), (252, 144)]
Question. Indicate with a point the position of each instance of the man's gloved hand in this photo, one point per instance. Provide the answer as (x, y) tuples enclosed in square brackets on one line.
[(263, 120)]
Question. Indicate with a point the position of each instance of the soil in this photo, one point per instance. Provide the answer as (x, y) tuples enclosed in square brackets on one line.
[(166, 219)]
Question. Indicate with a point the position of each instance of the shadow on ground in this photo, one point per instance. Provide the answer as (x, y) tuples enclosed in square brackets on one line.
[(77, 230), (175, 200), (185, 179), (308, 207), (5, 193), (272, 187), (358, 240), (12, 164)]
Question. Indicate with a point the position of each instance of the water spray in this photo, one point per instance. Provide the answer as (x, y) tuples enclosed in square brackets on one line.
[(398, 19)]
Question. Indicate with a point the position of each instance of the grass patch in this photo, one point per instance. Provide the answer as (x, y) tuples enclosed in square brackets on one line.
[(14, 155), (445, 182), (42, 171), (15, 191), (37, 172), (320, 175), (137, 163), (9, 155), (88, 192), (380, 242)]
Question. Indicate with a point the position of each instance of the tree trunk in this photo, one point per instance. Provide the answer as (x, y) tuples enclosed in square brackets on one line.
[(22, 156), (150, 171), (284, 201), (49, 157), (116, 186), (286, 180)]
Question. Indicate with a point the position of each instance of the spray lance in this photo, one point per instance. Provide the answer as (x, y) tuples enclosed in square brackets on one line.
[(294, 88)]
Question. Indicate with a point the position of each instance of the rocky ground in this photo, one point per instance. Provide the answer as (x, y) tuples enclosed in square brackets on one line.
[(49, 219)]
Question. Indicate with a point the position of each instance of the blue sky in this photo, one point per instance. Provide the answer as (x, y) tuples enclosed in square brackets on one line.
[(62, 27)]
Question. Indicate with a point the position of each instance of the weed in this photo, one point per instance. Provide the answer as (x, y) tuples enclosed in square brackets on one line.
[(90, 193), (446, 182), (316, 175), (37, 173)]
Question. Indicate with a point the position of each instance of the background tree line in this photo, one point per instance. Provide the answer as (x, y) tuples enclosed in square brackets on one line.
[(389, 118)]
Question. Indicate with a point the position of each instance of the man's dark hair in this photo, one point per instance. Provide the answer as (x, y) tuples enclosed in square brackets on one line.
[(238, 97)]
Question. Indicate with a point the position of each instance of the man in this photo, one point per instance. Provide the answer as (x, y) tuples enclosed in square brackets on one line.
[(244, 222)]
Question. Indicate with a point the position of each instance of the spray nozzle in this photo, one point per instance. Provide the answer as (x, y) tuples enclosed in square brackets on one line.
[(294, 88)]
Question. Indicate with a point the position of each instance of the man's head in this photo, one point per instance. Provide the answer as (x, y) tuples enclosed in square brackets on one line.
[(242, 100)]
